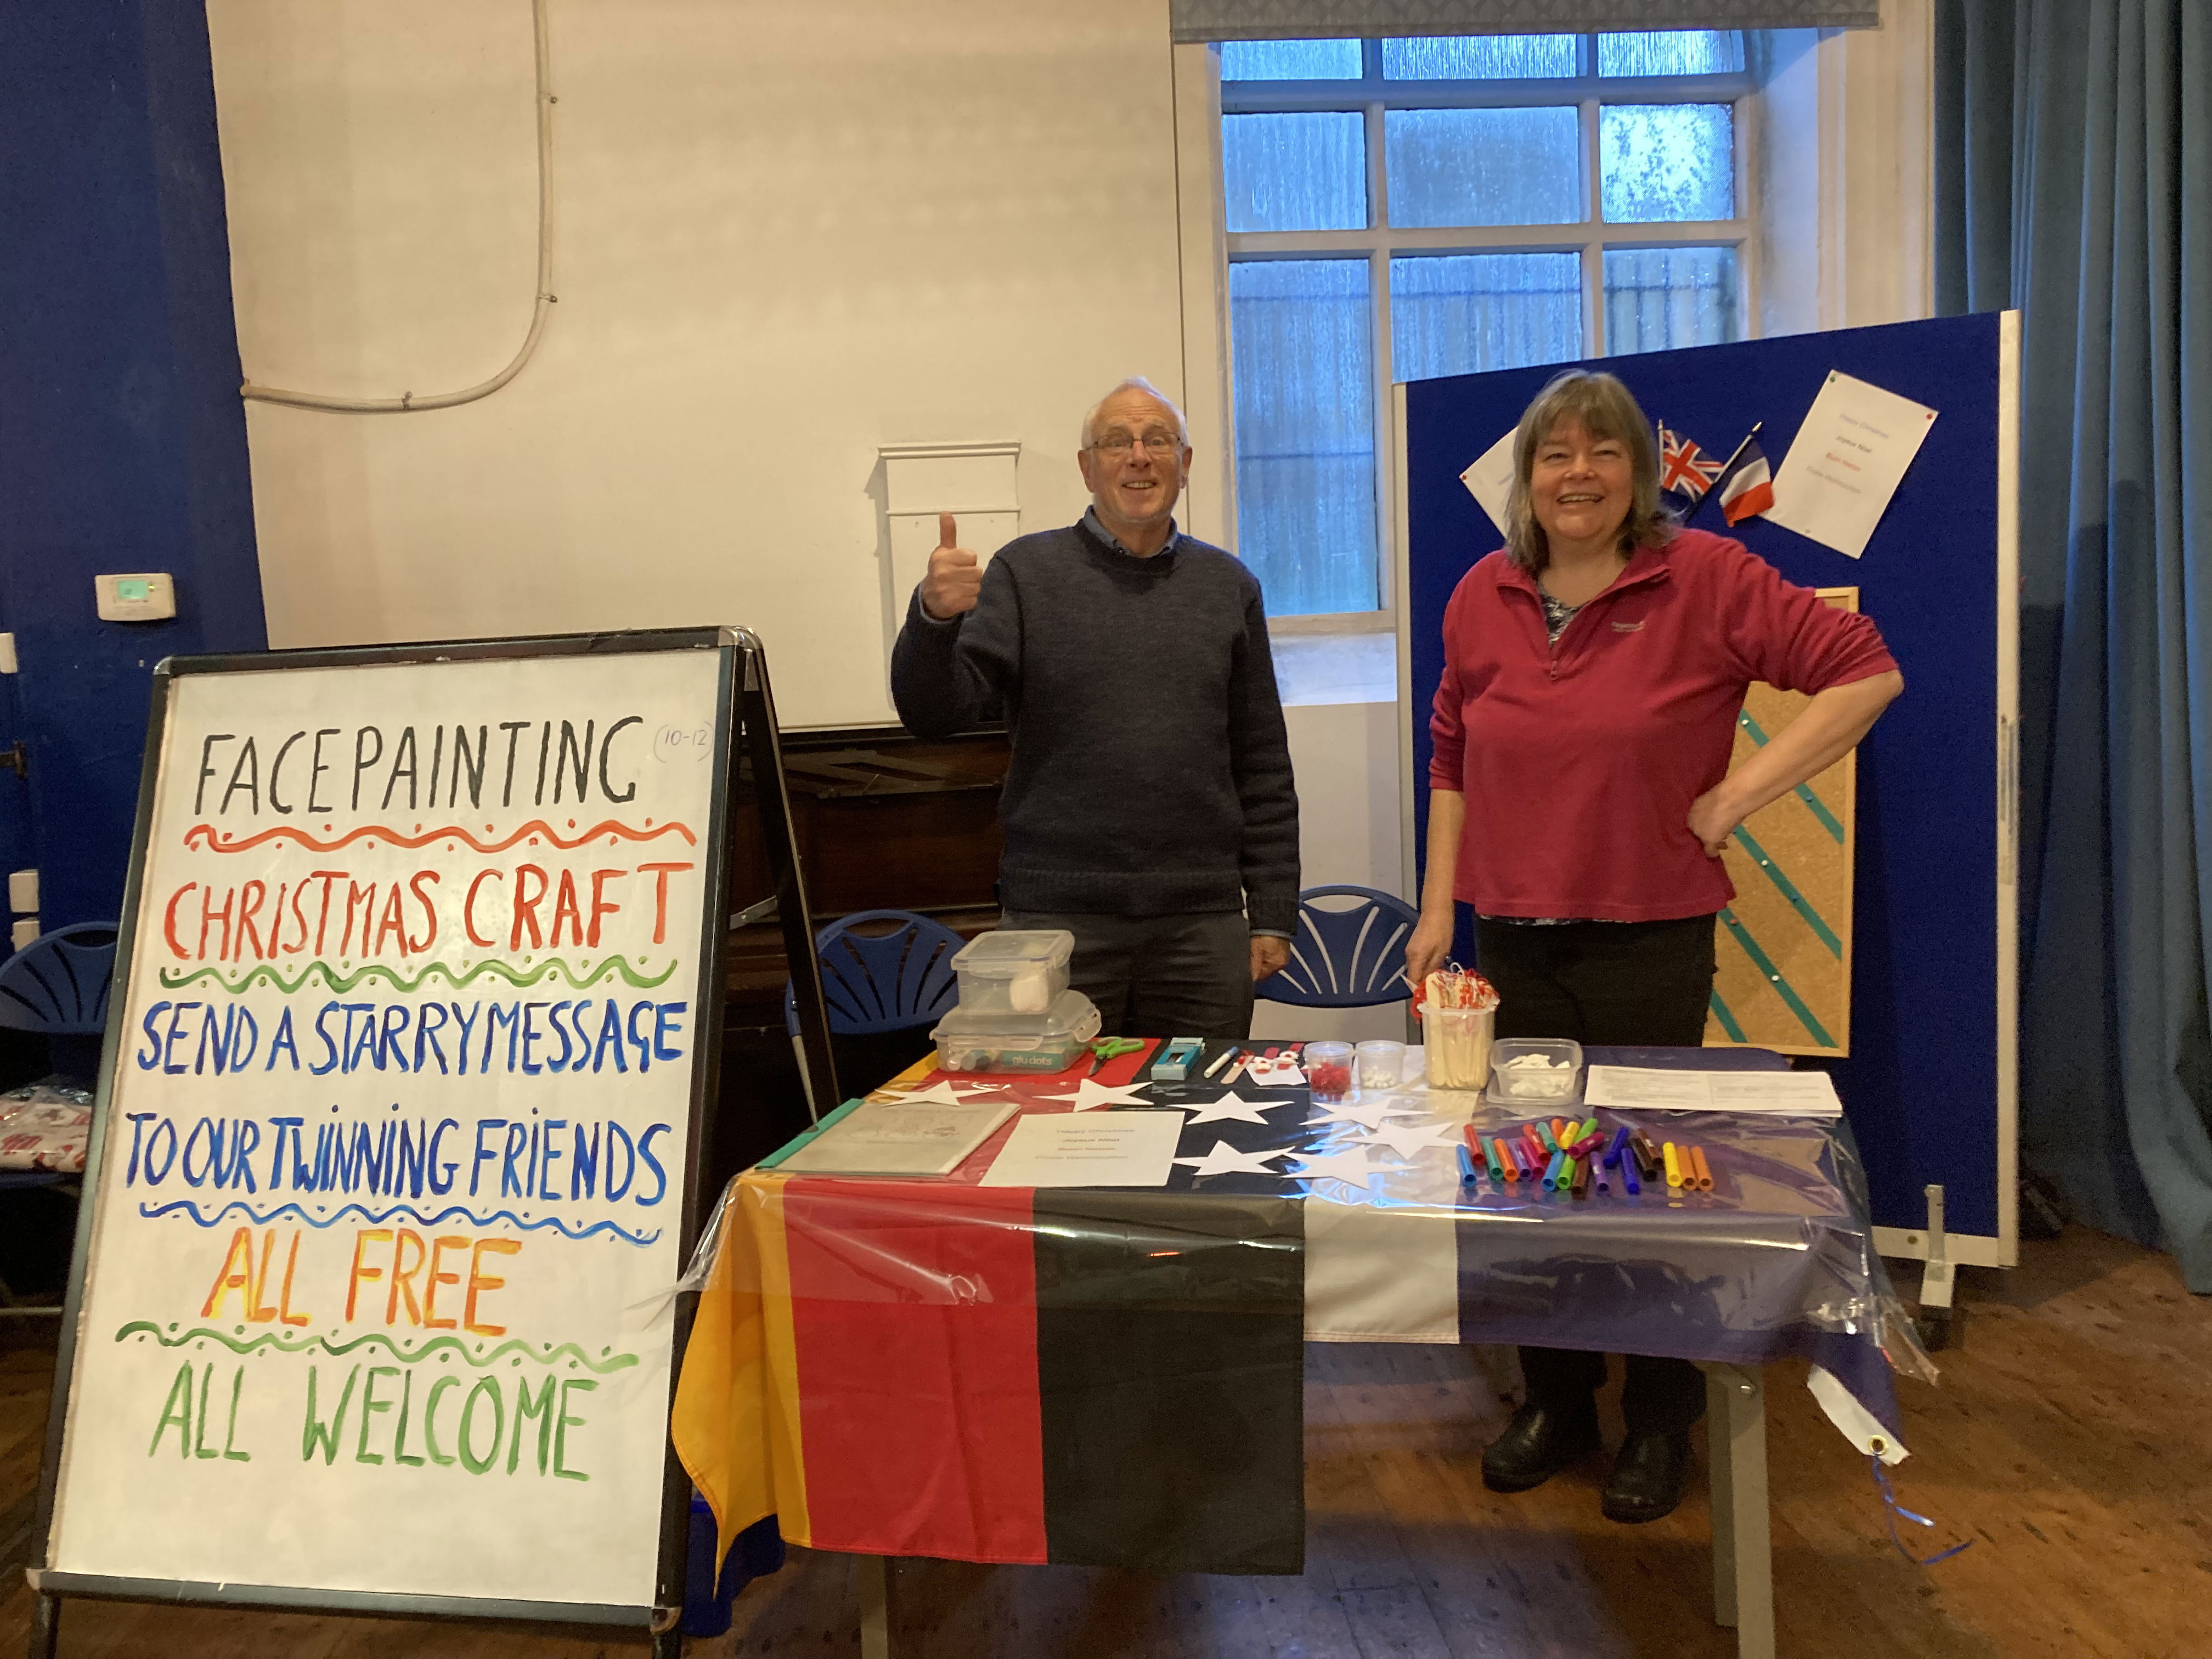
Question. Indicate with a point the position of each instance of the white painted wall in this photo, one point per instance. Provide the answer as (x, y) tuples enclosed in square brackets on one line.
[(784, 235)]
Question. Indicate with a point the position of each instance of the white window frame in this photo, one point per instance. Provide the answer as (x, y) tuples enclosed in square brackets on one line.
[(1209, 248)]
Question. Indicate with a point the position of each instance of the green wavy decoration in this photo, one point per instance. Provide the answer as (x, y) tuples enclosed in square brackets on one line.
[(406, 1357), (267, 974)]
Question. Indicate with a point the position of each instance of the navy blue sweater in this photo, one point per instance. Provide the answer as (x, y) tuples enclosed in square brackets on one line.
[(1151, 774)]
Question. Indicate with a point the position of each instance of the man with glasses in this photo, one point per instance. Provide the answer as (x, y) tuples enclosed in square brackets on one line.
[(1150, 809)]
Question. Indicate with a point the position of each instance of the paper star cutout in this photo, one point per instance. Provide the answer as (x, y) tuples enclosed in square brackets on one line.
[(1406, 1138), (1350, 1164), (1233, 1105), (940, 1093), (1090, 1093), (1368, 1113), (1225, 1159)]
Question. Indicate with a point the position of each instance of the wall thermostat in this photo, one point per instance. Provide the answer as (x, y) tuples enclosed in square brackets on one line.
[(139, 596)]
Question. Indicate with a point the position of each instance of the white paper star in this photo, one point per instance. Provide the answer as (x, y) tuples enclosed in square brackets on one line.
[(1233, 1105), (1225, 1159), (1348, 1163), (1368, 1113), (1406, 1138), (943, 1092), (1090, 1093)]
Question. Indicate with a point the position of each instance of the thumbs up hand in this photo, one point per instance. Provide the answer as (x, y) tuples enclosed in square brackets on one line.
[(955, 574)]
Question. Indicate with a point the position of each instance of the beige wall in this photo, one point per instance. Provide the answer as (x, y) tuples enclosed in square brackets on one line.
[(783, 235)]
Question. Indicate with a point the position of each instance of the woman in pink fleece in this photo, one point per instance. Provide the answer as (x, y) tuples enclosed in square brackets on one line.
[(1579, 797)]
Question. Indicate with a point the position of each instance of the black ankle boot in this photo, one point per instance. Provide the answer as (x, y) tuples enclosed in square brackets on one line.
[(1540, 1441), (1648, 1477)]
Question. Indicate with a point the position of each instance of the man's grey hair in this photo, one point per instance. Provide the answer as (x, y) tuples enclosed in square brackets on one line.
[(1136, 383)]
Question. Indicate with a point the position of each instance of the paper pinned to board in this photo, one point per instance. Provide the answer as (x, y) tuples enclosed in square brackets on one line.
[(1780, 1094), (1489, 478), (1846, 462)]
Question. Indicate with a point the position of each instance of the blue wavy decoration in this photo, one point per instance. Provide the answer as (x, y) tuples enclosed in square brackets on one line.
[(376, 1218)]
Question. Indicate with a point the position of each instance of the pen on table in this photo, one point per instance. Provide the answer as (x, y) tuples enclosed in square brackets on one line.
[(1549, 1140), (1227, 1055), (1628, 1180), (1619, 1144), (1466, 1169), (1673, 1164), (1555, 1176), (1502, 1156), (1704, 1171), (1579, 1181)]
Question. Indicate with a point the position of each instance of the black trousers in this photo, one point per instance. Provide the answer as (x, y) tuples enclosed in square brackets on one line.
[(1159, 976), (1623, 984)]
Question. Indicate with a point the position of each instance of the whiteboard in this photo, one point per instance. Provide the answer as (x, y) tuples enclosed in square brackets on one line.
[(388, 1206)]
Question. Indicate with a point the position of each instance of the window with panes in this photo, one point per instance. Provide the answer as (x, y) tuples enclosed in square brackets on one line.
[(1401, 208)]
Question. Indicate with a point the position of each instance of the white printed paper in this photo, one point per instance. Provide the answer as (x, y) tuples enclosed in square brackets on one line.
[(1489, 479), (1101, 1148), (1847, 461), (1785, 1094)]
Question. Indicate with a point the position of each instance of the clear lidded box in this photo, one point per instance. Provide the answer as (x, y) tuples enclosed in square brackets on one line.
[(1014, 970), (978, 1040)]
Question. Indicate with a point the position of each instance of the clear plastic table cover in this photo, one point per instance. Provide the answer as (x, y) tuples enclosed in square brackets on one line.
[(1113, 1377), (1775, 1260)]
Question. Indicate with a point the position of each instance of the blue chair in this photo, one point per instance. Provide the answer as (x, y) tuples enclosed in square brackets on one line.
[(1349, 957), (57, 987), (886, 981), (58, 983)]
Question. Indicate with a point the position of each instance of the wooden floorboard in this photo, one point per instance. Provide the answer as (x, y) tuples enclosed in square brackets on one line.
[(2070, 1436)]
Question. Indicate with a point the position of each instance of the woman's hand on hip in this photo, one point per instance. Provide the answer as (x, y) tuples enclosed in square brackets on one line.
[(1425, 950), (1713, 819)]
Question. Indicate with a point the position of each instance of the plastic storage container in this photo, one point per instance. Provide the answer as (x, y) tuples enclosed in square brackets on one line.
[(1381, 1064), (1329, 1072), (1458, 1043), (1549, 1072), (1014, 972), (971, 1040)]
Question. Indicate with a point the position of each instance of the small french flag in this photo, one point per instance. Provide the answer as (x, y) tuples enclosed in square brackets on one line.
[(1748, 489)]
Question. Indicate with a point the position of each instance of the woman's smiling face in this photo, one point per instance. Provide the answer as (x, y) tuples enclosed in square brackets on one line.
[(1580, 489)]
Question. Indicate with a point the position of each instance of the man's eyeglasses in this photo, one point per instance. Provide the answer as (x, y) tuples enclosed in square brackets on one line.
[(1121, 443)]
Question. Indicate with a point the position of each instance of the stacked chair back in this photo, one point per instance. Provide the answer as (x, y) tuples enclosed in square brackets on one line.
[(58, 983), (1346, 956), (885, 982)]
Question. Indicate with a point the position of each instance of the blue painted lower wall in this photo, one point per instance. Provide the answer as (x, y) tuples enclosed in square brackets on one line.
[(122, 436)]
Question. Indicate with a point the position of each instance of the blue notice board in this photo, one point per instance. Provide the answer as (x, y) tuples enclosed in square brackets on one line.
[(1929, 1083)]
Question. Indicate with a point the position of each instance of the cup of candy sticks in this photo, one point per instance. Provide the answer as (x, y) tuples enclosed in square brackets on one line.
[(1458, 1011)]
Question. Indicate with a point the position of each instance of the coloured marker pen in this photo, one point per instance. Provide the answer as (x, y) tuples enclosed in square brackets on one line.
[(1673, 1165), (1619, 1144), (1704, 1171)]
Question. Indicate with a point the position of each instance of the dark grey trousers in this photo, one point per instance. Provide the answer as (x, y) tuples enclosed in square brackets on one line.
[(1159, 976)]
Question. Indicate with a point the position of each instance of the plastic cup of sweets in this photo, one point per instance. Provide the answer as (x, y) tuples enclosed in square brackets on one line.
[(1382, 1063), (1328, 1071)]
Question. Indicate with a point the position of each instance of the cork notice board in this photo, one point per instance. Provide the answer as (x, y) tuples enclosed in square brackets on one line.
[(1784, 946)]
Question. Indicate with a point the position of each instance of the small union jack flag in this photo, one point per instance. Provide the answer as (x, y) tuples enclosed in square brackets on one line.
[(1685, 471)]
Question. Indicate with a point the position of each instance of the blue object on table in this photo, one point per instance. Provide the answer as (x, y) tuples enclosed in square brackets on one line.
[(755, 1552), (1344, 959), (58, 983), (877, 983)]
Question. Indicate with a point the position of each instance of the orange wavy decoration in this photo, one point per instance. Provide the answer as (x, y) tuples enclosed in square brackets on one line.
[(205, 834)]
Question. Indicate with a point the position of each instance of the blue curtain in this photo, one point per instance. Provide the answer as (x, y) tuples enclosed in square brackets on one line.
[(2074, 182)]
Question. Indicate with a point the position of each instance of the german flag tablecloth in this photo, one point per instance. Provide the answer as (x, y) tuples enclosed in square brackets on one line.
[(1113, 1378)]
